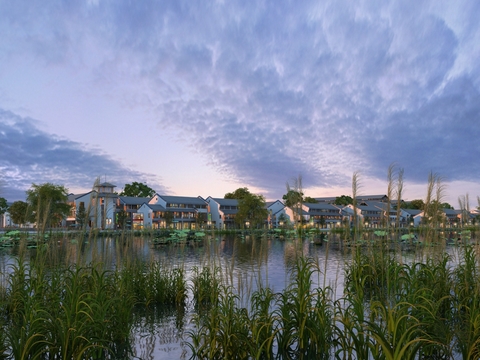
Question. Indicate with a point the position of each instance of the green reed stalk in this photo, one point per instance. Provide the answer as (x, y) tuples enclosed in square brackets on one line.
[(305, 316)]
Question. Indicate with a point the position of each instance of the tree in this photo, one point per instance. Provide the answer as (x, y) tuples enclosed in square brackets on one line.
[(122, 218), (343, 200), (292, 198), (3, 206), (238, 194), (137, 189), (252, 209), (446, 205), (417, 204), (310, 200), (47, 204), (18, 212), (81, 215)]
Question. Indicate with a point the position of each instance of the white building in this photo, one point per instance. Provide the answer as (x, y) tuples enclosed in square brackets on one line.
[(99, 205), (184, 212)]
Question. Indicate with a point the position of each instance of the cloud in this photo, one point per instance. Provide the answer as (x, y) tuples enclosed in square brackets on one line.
[(269, 90), (30, 155)]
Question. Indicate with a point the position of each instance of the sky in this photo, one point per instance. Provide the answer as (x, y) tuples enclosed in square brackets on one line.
[(199, 98)]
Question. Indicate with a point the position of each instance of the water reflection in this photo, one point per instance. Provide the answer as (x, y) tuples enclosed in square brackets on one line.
[(246, 263)]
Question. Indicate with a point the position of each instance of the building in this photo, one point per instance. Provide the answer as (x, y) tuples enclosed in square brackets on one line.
[(221, 212), (322, 215), (179, 212), (99, 205)]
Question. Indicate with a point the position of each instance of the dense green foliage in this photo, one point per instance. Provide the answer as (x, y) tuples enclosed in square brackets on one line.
[(343, 200), (18, 212), (251, 209), (238, 194), (310, 200), (81, 311), (47, 204), (3, 206), (137, 189), (292, 198), (417, 204), (81, 215)]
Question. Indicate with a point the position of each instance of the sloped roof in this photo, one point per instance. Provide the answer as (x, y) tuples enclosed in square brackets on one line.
[(134, 200), (226, 202), (371, 197), (412, 212), (321, 206), (156, 207), (183, 200), (327, 199)]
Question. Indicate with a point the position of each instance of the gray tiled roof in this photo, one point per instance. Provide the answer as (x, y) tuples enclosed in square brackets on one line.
[(226, 202), (133, 200), (183, 200)]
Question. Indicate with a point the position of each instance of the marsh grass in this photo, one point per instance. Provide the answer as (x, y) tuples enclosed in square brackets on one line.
[(58, 303)]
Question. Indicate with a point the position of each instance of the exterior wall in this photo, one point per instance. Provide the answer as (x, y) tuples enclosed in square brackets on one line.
[(100, 207), (157, 200), (275, 210), (322, 214), (146, 214), (214, 214), (289, 215)]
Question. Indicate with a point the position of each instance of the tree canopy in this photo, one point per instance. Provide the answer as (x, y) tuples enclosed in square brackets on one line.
[(417, 204), (47, 204), (292, 198), (343, 200), (310, 200), (137, 189), (238, 194), (18, 212), (3, 206), (252, 209)]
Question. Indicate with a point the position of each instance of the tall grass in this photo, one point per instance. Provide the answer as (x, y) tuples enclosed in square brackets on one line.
[(293, 324), (50, 308)]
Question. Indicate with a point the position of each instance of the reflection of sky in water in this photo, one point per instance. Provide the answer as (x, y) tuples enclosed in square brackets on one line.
[(245, 263)]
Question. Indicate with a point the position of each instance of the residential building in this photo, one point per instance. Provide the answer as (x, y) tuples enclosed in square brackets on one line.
[(322, 215), (99, 204), (182, 211), (276, 214), (221, 212)]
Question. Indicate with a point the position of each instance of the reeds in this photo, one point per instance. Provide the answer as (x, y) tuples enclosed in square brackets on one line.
[(80, 310), (293, 324)]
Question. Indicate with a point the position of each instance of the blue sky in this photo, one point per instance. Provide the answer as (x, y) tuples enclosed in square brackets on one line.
[(202, 97)]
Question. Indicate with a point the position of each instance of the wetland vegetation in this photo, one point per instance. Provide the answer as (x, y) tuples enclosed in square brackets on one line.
[(257, 295)]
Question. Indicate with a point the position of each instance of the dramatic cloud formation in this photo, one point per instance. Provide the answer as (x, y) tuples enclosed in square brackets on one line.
[(35, 157), (257, 92)]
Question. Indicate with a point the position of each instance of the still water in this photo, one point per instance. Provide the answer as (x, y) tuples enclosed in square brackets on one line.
[(245, 263)]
